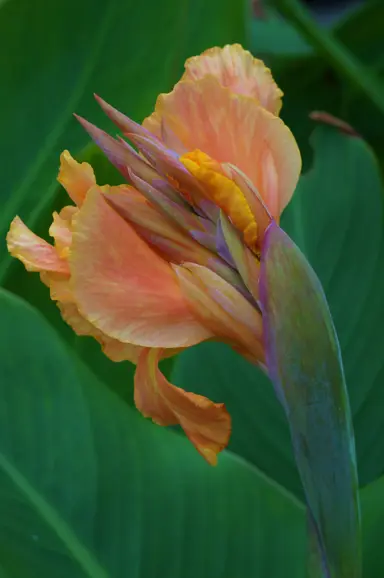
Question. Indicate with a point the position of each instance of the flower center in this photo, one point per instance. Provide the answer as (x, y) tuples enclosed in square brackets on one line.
[(221, 190)]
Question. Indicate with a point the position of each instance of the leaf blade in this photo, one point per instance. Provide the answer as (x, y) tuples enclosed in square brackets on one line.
[(136, 495)]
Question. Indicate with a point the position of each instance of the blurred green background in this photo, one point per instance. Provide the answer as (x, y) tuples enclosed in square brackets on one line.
[(88, 487)]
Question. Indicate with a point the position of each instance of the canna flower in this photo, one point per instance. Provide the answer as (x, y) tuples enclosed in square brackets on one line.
[(171, 258)]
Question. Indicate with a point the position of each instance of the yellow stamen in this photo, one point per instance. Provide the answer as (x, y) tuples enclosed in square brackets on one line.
[(223, 192)]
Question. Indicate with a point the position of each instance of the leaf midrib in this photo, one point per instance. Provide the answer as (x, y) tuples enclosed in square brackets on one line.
[(79, 552)]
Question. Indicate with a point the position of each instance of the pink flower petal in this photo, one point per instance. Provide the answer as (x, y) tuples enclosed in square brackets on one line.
[(122, 286)]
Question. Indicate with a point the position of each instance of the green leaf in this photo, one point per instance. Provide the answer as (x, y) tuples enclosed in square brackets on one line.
[(259, 429), (363, 34), (272, 35), (304, 364), (275, 36), (372, 502), (335, 218), (88, 488)]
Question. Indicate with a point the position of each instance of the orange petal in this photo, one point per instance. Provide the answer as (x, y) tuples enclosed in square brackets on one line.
[(38, 255), (60, 291), (207, 424), (122, 286), (112, 348), (58, 284), (238, 70), (76, 178), (222, 308), (234, 129), (35, 253)]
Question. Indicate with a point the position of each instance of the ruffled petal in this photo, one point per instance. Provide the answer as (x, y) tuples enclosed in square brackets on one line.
[(76, 178), (61, 230), (38, 255), (35, 253), (122, 286), (207, 424), (58, 284), (112, 348), (233, 128), (238, 70)]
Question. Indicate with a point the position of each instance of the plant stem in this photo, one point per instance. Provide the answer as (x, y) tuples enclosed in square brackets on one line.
[(339, 57)]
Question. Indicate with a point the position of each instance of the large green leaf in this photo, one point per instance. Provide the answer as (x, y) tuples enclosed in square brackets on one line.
[(88, 488), (335, 217), (372, 502), (54, 55)]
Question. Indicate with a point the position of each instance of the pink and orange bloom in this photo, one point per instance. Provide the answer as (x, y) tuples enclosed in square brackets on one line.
[(172, 257)]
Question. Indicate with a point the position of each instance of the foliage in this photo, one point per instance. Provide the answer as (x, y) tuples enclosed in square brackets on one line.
[(87, 486)]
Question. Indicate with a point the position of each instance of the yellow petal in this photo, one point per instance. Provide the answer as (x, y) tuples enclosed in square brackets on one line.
[(223, 192), (35, 253), (207, 424), (238, 70), (76, 178), (61, 230)]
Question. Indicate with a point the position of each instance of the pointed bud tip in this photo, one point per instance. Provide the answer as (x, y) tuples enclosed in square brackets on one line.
[(89, 127), (81, 120), (104, 105), (273, 234)]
